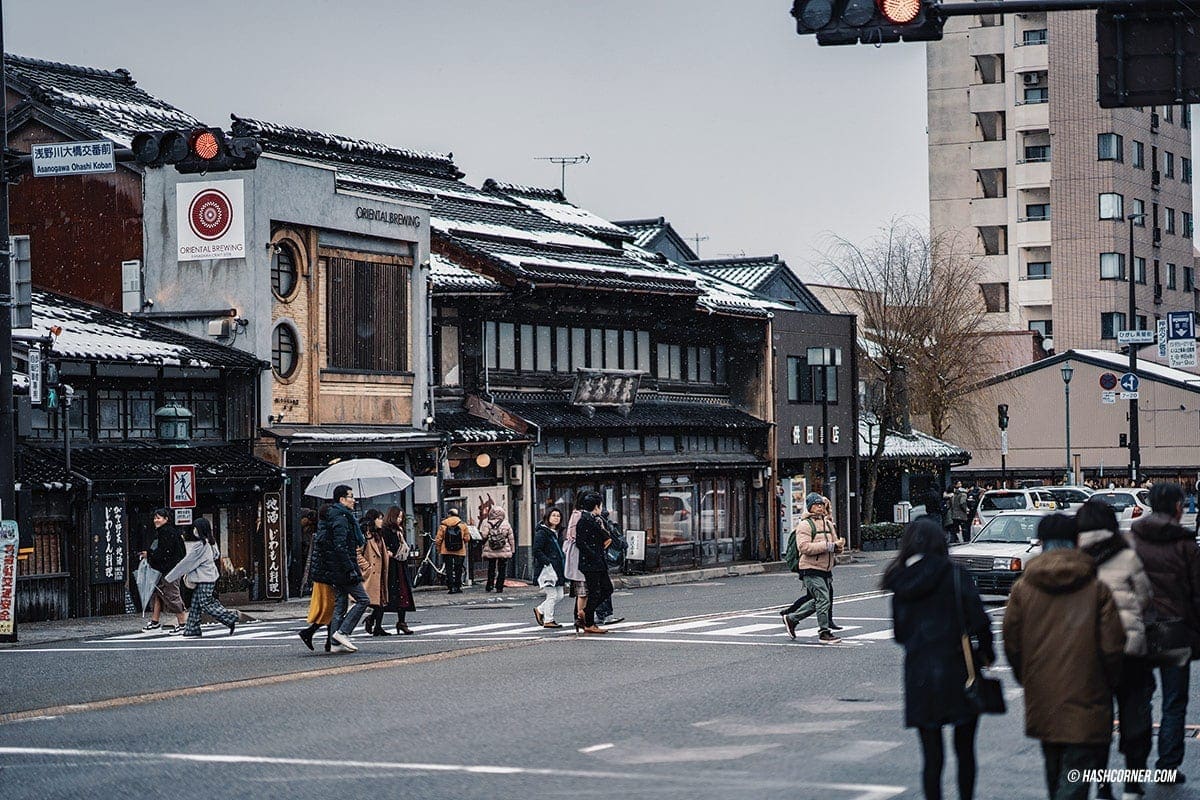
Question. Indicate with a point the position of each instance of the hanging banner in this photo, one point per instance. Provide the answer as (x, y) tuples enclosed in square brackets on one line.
[(108, 540), (210, 220), (9, 536), (272, 526)]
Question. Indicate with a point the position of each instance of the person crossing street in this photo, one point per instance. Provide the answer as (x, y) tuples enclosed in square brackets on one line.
[(817, 546)]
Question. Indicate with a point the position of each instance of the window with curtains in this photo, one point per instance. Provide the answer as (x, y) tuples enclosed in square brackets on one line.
[(367, 313)]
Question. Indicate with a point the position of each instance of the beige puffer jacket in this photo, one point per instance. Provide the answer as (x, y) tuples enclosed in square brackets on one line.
[(1120, 569)]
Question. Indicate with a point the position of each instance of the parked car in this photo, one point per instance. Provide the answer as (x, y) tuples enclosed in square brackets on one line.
[(1128, 503), (999, 500), (997, 555), (1073, 496)]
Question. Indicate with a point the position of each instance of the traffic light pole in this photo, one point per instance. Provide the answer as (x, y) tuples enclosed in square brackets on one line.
[(7, 428), (1135, 450)]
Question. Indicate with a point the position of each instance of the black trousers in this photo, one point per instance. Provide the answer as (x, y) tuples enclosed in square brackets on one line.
[(497, 569), (599, 589), (454, 570), (1064, 762), (933, 751)]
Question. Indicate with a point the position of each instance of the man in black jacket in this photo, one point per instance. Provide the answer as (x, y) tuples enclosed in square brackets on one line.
[(343, 540), (604, 611), (164, 553), (592, 539)]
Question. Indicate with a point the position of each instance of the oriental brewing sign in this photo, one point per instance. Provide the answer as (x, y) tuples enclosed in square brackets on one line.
[(210, 218)]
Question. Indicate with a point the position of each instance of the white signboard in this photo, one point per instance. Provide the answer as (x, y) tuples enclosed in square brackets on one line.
[(72, 158), (1135, 337), (1162, 338), (35, 375), (1108, 398), (1004, 442), (210, 218), (1181, 353), (183, 516), (1129, 395), (635, 542)]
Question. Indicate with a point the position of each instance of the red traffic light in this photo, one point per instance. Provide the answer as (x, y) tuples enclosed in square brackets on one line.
[(205, 145), (900, 12)]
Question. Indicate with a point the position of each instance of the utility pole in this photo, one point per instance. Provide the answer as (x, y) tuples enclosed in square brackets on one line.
[(1135, 451), (8, 508), (697, 238), (564, 162)]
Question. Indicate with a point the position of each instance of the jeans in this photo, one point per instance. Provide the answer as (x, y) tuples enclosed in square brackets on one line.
[(203, 602), (599, 589), (553, 595), (1175, 681), (1062, 759), (933, 752), (344, 619), (605, 610), (497, 569), (820, 600), (454, 571)]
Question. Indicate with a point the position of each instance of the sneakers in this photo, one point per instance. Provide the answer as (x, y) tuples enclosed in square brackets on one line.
[(834, 627), (789, 624), (152, 625), (827, 637), (178, 629), (196, 635), (344, 641), (612, 620)]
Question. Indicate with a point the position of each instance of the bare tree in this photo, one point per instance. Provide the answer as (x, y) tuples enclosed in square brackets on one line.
[(920, 308)]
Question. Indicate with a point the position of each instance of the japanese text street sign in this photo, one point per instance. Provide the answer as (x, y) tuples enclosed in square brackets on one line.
[(181, 489), (9, 543), (73, 158), (108, 540), (272, 525), (1181, 325), (1181, 353), (1162, 338), (1135, 337), (35, 375), (183, 516)]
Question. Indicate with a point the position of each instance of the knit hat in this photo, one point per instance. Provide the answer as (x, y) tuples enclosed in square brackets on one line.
[(813, 499)]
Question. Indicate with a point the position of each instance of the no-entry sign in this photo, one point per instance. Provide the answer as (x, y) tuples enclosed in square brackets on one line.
[(181, 488)]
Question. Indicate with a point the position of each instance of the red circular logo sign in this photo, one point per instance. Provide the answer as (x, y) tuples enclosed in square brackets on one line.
[(210, 214)]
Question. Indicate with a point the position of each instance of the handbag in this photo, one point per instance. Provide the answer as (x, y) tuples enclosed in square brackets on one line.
[(547, 577), (986, 695)]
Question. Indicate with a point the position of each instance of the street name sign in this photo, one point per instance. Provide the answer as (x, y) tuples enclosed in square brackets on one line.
[(1135, 337), (1181, 325), (72, 158)]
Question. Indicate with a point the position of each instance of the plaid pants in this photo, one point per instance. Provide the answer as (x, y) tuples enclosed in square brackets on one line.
[(203, 602)]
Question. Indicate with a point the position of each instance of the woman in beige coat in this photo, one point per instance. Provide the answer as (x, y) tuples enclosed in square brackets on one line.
[(373, 563)]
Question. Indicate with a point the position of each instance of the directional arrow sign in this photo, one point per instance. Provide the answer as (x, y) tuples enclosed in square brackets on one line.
[(1129, 382), (1181, 325)]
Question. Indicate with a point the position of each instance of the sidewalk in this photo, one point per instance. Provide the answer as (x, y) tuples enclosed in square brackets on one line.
[(39, 633)]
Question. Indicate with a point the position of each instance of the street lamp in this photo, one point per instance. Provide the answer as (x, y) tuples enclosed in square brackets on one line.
[(1135, 451), (1067, 372), (825, 357)]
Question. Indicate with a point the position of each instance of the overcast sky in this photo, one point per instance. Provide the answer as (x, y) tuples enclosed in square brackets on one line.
[(712, 113)]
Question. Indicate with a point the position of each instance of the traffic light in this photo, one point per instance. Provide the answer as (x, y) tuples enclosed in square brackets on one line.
[(53, 392), (868, 21), (1002, 416), (196, 150)]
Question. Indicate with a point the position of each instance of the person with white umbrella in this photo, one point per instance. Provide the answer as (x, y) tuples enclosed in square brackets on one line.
[(336, 563)]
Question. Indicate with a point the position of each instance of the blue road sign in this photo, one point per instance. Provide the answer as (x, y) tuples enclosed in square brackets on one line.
[(1181, 325), (1129, 382)]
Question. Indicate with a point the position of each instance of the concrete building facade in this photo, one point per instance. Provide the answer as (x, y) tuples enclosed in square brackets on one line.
[(1026, 164)]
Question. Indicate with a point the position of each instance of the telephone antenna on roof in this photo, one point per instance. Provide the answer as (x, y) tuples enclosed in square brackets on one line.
[(697, 238), (564, 162)]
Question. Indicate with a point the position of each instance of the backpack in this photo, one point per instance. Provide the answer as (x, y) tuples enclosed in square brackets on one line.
[(791, 555), (497, 537), (453, 538)]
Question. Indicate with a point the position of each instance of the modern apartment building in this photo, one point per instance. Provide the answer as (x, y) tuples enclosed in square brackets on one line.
[(1025, 163)]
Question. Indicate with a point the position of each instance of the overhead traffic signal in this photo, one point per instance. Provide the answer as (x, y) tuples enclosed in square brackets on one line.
[(868, 21), (195, 150)]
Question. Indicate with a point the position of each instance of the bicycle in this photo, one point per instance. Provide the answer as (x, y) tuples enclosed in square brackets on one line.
[(428, 561)]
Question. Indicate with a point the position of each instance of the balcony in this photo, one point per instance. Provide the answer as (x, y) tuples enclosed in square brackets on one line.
[(985, 97), (986, 41), (1030, 115), (1033, 233), (993, 268), (989, 155), (1034, 293), (989, 211), (1031, 173), (1029, 58)]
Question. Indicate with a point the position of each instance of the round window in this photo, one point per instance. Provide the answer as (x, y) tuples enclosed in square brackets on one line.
[(284, 355), (283, 271)]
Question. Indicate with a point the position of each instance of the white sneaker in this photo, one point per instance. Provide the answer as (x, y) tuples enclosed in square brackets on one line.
[(344, 641), (178, 629)]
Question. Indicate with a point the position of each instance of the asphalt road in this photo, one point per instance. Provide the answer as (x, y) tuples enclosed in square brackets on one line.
[(700, 694)]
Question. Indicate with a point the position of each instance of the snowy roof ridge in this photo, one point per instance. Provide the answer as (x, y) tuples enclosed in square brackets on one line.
[(164, 112), (733, 261), (522, 190), (119, 74), (304, 142)]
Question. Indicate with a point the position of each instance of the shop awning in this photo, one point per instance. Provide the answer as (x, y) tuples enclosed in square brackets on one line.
[(379, 437), (552, 415), (572, 465), (224, 466), (461, 428)]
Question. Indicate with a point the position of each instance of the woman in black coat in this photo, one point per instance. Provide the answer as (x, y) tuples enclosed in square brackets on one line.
[(400, 593), (592, 539), (925, 609)]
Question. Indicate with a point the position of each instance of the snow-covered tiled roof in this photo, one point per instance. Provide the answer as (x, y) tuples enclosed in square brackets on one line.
[(91, 333), (448, 277), (553, 204), (916, 446), (644, 230), (109, 104), (752, 273)]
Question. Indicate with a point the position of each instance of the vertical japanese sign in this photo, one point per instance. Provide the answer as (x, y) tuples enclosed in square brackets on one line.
[(272, 525), (109, 540), (9, 537)]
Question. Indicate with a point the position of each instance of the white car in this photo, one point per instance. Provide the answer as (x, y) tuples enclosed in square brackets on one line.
[(999, 500), (1128, 503), (997, 555), (1073, 496)]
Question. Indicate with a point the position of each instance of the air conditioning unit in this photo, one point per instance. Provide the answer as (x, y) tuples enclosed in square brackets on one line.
[(516, 474), (1031, 78)]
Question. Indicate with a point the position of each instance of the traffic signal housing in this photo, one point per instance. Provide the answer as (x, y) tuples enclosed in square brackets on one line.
[(1002, 416), (868, 21), (196, 150)]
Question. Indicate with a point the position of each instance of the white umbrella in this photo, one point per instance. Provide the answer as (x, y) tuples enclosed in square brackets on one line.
[(146, 578), (368, 477)]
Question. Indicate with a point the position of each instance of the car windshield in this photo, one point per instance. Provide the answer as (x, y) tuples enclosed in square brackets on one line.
[(1118, 500), (1008, 501), (1069, 495), (1015, 529)]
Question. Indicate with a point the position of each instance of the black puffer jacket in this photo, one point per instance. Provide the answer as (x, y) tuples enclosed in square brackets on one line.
[(547, 552), (167, 549), (335, 547), (590, 536), (1172, 560)]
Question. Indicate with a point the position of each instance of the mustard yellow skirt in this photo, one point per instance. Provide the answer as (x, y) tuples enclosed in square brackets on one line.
[(320, 605)]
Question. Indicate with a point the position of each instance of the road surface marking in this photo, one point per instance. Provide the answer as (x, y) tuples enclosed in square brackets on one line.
[(596, 748)]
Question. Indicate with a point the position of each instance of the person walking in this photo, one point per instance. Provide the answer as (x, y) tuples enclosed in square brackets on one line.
[(929, 595), (198, 568), (960, 513), (817, 546), (163, 554), (498, 547), (1171, 558), (1064, 641), (373, 557), (324, 570), (1120, 569), (308, 529), (571, 562), (614, 553), (549, 564), (591, 539), (399, 589), (451, 540), (345, 538)]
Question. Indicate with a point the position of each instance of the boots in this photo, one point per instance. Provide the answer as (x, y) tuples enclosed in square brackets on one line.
[(376, 628)]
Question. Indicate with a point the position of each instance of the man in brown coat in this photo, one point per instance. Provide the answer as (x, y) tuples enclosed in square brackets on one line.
[(1064, 640), (452, 541)]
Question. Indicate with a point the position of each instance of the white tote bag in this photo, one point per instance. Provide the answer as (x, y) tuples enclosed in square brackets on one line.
[(547, 577)]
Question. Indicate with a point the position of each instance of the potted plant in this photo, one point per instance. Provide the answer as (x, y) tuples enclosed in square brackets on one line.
[(881, 535)]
